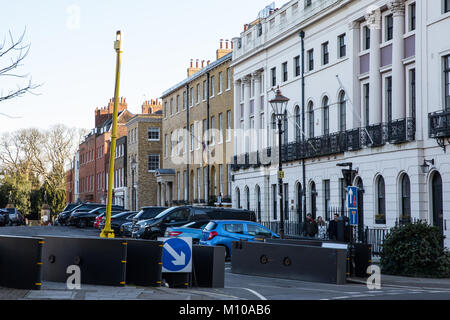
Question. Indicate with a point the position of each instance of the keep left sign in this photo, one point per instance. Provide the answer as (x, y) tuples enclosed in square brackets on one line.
[(177, 255)]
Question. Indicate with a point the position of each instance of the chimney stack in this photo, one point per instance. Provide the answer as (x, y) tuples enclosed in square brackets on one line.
[(191, 70), (221, 52)]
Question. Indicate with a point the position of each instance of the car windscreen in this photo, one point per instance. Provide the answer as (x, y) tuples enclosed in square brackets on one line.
[(149, 213)]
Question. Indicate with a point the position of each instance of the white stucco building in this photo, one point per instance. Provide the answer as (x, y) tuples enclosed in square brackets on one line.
[(377, 95)]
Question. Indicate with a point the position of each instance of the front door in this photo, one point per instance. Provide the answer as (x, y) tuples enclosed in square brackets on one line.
[(437, 202)]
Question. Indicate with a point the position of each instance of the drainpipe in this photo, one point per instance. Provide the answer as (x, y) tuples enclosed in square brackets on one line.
[(187, 151), (208, 126), (302, 36)]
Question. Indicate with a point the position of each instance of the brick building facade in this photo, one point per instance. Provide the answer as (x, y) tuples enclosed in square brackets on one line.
[(95, 152), (143, 155), (197, 145)]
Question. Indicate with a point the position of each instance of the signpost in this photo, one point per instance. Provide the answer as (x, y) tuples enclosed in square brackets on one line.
[(177, 255)]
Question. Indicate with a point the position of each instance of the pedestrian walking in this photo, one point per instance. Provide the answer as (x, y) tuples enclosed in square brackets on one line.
[(322, 228), (333, 226), (310, 228)]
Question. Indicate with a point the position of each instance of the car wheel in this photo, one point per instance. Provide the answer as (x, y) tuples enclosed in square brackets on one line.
[(82, 224), (227, 254)]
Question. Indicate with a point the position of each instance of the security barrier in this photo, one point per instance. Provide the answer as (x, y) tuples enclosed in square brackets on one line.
[(361, 256), (144, 263), (21, 262), (101, 261), (290, 261), (209, 267)]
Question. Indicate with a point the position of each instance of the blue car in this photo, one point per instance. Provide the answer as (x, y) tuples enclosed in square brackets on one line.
[(191, 230), (224, 232)]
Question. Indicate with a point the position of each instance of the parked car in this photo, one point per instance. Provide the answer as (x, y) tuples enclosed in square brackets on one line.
[(98, 220), (118, 220), (180, 216), (82, 219), (63, 217), (15, 217), (4, 217), (223, 233), (191, 230), (146, 213)]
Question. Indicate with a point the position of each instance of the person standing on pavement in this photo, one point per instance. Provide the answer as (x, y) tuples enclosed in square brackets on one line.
[(322, 228), (332, 228), (310, 228)]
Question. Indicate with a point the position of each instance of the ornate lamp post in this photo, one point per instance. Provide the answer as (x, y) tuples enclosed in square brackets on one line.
[(279, 104)]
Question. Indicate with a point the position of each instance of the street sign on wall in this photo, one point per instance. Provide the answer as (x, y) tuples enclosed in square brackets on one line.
[(177, 255)]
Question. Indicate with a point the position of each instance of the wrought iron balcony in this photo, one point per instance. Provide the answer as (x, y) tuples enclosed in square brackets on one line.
[(401, 131), (439, 123), (354, 139), (375, 135)]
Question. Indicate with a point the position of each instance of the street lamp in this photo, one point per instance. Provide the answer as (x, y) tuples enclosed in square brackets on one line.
[(279, 104), (133, 187), (107, 232)]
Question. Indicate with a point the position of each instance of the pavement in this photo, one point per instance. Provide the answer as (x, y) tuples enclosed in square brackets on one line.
[(409, 282)]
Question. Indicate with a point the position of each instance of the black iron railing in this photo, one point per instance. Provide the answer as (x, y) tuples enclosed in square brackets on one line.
[(401, 131), (375, 135), (396, 132), (439, 123)]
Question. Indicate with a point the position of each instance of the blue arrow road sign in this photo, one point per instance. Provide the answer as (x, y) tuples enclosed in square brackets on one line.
[(352, 198), (177, 255)]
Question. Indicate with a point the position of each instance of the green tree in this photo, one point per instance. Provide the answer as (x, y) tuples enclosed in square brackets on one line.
[(56, 198)]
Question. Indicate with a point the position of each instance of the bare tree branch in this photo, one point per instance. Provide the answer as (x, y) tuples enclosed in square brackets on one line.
[(15, 53)]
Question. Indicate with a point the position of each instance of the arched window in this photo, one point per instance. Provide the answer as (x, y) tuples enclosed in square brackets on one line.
[(258, 203), (247, 198), (238, 198), (298, 127), (406, 198), (381, 201), (342, 112), (311, 119), (326, 116), (313, 200)]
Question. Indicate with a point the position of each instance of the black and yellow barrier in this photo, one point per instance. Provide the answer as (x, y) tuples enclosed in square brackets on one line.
[(101, 261), (21, 262), (144, 263)]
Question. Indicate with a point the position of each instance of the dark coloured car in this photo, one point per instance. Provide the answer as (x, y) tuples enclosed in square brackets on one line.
[(63, 217), (118, 220), (180, 216), (15, 217), (146, 213), (4, 217), (83, 219)]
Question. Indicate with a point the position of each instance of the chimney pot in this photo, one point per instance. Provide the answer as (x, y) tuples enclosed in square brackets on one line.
[(196, 63)]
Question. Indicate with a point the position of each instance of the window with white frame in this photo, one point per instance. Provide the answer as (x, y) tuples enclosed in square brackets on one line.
[(447, 82), (229, 126), (213, 132), (213, 86), (154, 134), (228, 78), (220, 82), (220, 128), (153, 162)]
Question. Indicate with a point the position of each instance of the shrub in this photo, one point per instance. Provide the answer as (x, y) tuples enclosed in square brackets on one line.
[(415, 250)]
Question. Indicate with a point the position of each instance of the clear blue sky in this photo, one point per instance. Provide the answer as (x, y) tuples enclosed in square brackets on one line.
[(75, 62)]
